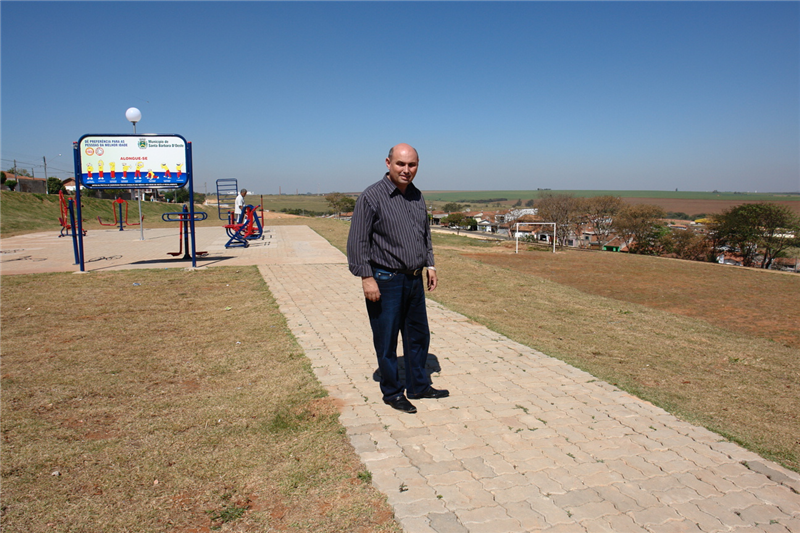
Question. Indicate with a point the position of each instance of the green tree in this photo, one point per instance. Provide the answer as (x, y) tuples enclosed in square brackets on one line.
[(753, 230), (599, 211), (54, 185), (340, 203), (686, 244), (19, 172), (564, 210), (452, 207), (640, 226), (11, 184), (2, 178), (459, 221), (181, 196)]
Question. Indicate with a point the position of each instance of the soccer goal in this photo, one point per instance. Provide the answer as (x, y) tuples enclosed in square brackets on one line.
[(516, 232)]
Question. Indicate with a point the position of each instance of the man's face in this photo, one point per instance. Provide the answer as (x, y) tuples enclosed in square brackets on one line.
[(402, 166)]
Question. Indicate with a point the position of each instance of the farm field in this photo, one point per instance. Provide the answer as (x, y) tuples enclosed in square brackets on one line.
[(473, 196), (691, 203)]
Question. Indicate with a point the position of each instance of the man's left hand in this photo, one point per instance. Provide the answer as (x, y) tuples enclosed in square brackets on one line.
[(432, 279)]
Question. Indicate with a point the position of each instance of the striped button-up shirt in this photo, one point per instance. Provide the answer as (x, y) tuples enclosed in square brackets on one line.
[(389, 229)]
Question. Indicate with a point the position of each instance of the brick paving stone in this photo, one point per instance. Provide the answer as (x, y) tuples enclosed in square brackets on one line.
[(676, 495), (762, 514), (477, 494), (544, 483), (622, 524), (504, 481), (417, 524), (563, 478), (451, 478), (595, 474), (446, 523), (552, 513), (655, 515), (478, 467), (438, 468), (621, 501), (572, 527), (477, 450), (527, 517), (575, 498), (681, 526), (703, 489), (593, 511), (480, 515), (738, 500), (419, 508), (792, 524), (728, 518), (721, 484), (507, 525), (516, 494), (706, 522), (783, 497)]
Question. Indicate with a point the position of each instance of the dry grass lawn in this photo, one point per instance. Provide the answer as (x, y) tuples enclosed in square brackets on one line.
[(168, 400)]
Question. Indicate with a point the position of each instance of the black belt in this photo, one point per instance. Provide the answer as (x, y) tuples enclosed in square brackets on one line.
[(415, 272)]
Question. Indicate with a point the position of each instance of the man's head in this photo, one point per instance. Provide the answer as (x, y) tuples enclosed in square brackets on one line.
[(243, 192), (402, 162)]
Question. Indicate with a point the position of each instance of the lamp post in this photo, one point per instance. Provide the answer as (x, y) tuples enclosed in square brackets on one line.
[(46, 187), (134, 116)]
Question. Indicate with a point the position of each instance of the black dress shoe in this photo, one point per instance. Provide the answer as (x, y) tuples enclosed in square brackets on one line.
[(401, 404), (431, 393)]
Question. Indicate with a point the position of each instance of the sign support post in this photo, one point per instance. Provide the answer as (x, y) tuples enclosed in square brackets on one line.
[(77, 160)]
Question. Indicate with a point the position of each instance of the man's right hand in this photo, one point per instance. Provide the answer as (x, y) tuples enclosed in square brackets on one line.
[(371, 290)]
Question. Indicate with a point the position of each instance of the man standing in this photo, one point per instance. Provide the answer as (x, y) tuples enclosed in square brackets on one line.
[(238, 206), (388, 247)]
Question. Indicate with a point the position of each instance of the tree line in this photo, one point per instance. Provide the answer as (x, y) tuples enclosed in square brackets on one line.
[(756, 233)]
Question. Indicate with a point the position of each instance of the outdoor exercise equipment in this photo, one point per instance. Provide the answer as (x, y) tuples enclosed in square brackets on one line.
[(118, 220), (184, 217), (227, 191), (249, 229), (67, 218)]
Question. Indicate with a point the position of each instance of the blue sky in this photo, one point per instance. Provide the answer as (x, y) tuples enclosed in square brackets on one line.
[(308, 97)]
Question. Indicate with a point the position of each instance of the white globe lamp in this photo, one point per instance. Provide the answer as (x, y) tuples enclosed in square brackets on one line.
[(133, 115)]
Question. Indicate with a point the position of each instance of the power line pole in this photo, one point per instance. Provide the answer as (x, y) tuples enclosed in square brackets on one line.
[(46, 188)]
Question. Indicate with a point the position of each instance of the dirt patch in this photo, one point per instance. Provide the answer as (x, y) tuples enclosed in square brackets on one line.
[(698, 207)]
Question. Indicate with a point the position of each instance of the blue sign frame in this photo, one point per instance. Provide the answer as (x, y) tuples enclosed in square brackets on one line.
[(123, 146), (131, 161)]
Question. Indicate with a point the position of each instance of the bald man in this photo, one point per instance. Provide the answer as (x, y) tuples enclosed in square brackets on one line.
[(389, 248)]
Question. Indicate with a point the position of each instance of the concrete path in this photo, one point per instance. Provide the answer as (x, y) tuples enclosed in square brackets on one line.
[(524, 442)]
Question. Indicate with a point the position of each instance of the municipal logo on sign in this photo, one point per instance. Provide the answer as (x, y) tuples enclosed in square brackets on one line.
[(142, 143)]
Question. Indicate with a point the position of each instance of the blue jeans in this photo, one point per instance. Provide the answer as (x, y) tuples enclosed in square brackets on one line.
[(401, 308)]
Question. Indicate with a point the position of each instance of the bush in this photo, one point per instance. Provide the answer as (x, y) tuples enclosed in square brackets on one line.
[(54, 185), (11, 184)]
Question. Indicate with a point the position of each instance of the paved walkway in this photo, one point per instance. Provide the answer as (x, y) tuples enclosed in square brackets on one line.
[(524, 443)]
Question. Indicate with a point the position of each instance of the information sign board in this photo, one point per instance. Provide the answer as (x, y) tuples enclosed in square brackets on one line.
[(133, 161)]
